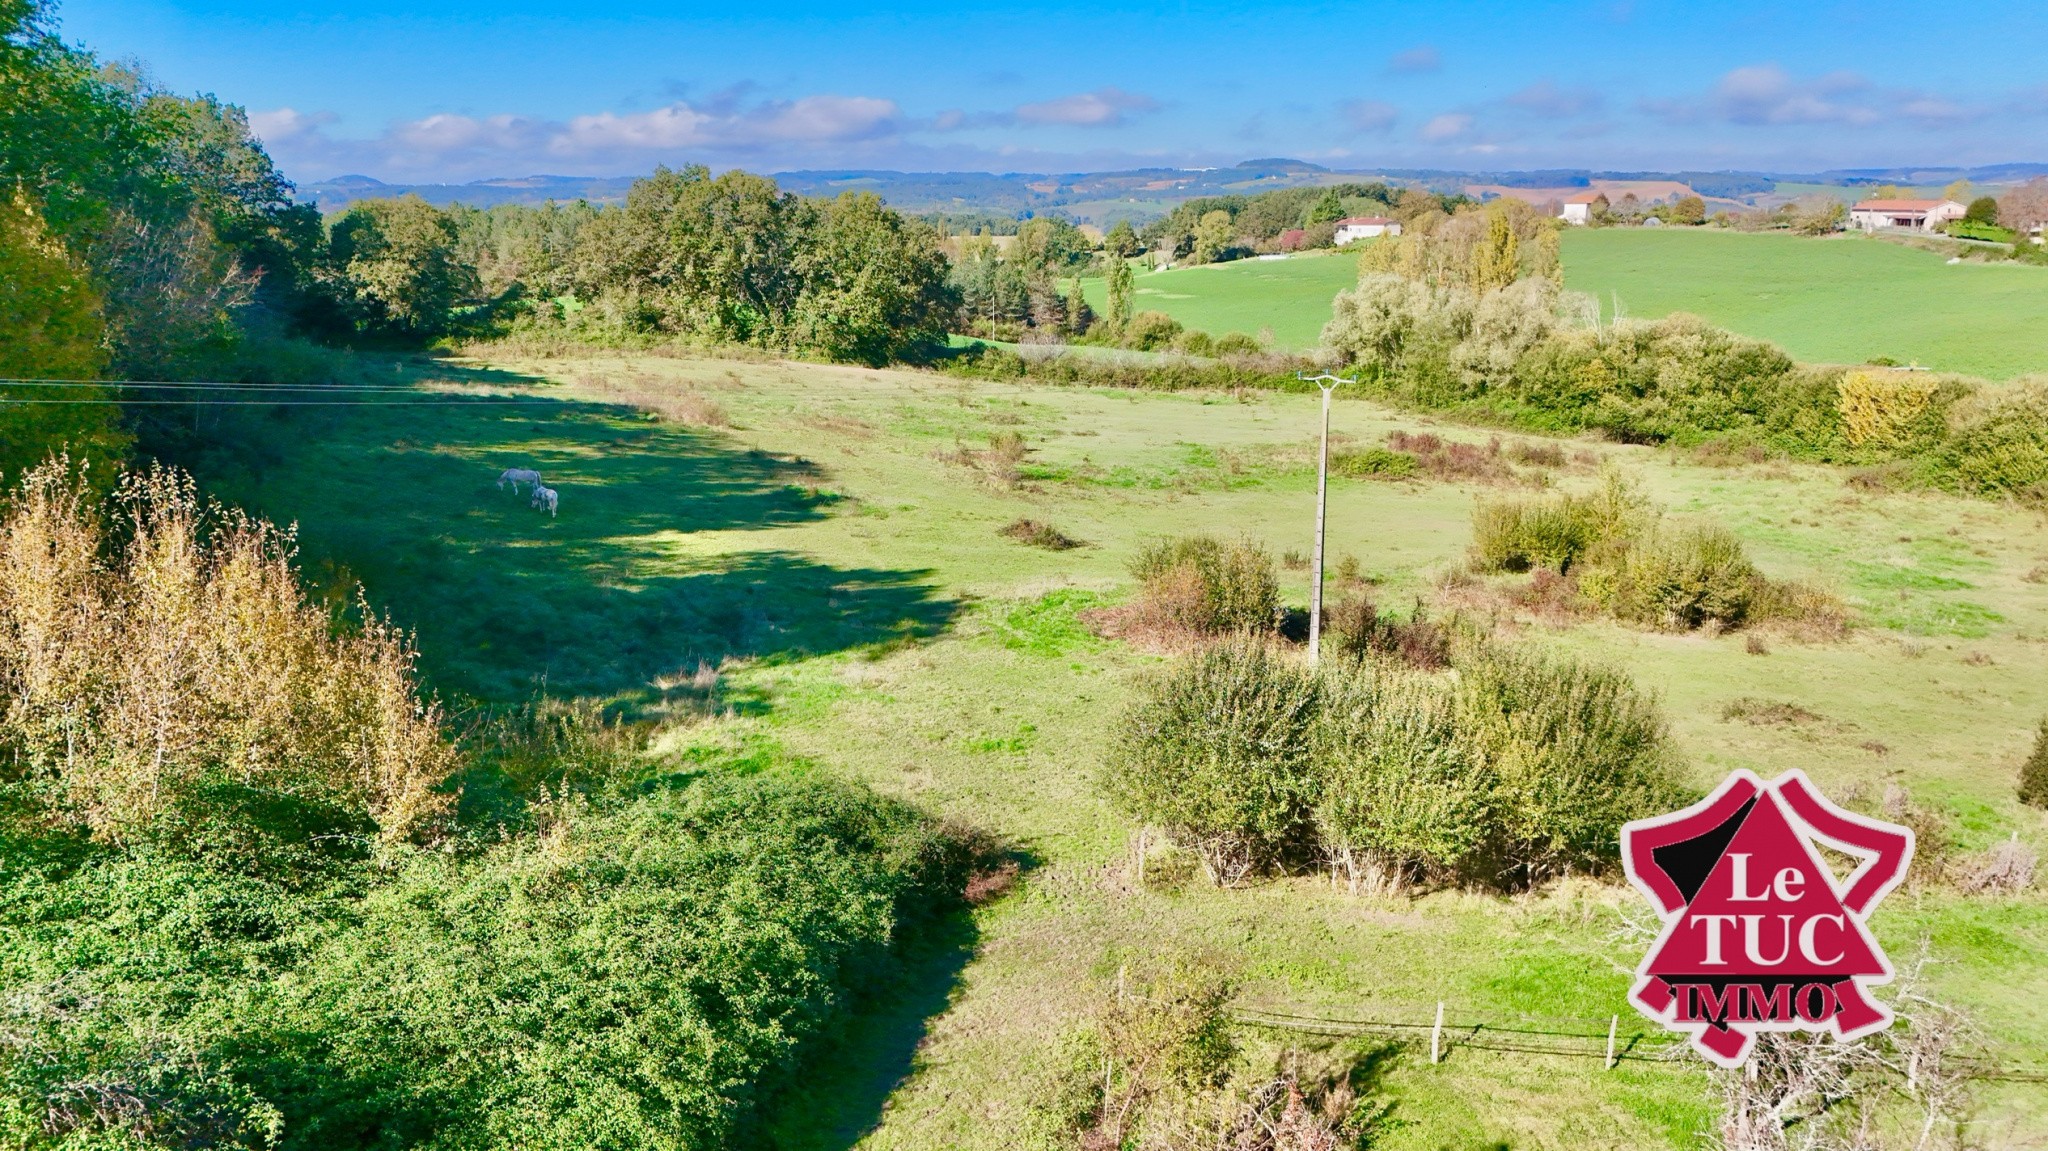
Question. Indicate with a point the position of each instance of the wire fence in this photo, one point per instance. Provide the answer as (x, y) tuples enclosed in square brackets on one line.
[(1571, 1038)]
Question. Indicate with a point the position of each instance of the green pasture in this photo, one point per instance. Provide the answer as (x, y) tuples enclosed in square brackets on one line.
[(1288, 299), (1842, 299), (835, 552)]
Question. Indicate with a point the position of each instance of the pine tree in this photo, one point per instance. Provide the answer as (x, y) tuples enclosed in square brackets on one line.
[(1326, 210), (2034, 772)]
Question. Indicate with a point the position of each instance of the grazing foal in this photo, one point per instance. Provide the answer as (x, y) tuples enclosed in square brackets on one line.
[(543, 498)]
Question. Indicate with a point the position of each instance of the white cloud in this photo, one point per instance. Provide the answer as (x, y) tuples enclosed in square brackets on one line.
[(1545, 98), (1423, 58), (1103, 108), (1766, 95), (1447, 127), (1369, 115), (446, 144)]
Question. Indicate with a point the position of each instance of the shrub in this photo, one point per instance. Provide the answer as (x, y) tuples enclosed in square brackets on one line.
[(1998, 443), (1884, 409), (1149, 331), (1399, 793), (2034, 772), (1038, 535), (1216, 752), (1372, 463), (650, 976), (164, 673), (1576, 750), (1202, 585), (1680, 578), (1353, 628), (1236, 344), (1555, 531)]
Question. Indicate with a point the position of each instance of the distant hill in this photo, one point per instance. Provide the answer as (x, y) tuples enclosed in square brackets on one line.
[(1140, 194), (338, 193)]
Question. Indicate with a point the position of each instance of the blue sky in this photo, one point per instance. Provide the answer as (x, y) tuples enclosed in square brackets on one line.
[(459, 90)]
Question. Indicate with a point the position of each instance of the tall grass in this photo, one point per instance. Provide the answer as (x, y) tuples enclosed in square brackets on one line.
[(162, 665)]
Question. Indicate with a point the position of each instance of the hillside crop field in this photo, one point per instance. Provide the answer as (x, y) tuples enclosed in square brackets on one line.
[(1290, 298), (824, 541), (1842, 299)]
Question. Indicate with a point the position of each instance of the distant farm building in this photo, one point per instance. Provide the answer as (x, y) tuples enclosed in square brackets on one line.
[(1919, 215), (1578, 208), (1292, 239), (1365, 228)]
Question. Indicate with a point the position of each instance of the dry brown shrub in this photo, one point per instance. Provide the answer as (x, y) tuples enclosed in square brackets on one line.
[(1799, 609), (1768, 713), (2006, 869), (151, 647), (1038, 534), (1451, 460)]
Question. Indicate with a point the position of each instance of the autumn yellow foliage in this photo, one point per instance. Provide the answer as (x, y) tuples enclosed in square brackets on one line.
[(156, 651), (1879, 408)]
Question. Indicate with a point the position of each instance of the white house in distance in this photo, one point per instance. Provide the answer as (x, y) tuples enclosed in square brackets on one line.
[(1920, 215), (1365, 228), (1578, 207)]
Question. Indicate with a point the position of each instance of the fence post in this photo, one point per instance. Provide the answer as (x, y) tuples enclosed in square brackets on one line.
[(1436, 1035), (1613, 1022)]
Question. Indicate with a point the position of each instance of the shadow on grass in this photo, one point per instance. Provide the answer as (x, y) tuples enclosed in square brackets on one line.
[(617, 594), (847, 1083)]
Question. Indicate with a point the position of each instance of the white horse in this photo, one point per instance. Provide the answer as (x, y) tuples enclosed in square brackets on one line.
[(543, 498), (517, 476)]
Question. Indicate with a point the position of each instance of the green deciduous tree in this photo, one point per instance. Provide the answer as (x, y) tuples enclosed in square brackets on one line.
[(395, 264), (50, 328), (874, 284), (1213, 237)]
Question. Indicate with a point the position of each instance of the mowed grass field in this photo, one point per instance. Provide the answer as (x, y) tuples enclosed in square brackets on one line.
[(1842, 299), (830, 549), (1288, 300)]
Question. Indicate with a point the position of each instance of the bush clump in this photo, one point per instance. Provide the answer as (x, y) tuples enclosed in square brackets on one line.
[(1373, 463), (1998, 443), (1217, 752), (1616, 552), (646, 976), (1515, 768), (1555, 532), (1202, 585)]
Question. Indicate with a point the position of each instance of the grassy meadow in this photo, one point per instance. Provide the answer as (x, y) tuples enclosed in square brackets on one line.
[(1842, 299), (826, 540), (1287, 299)]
